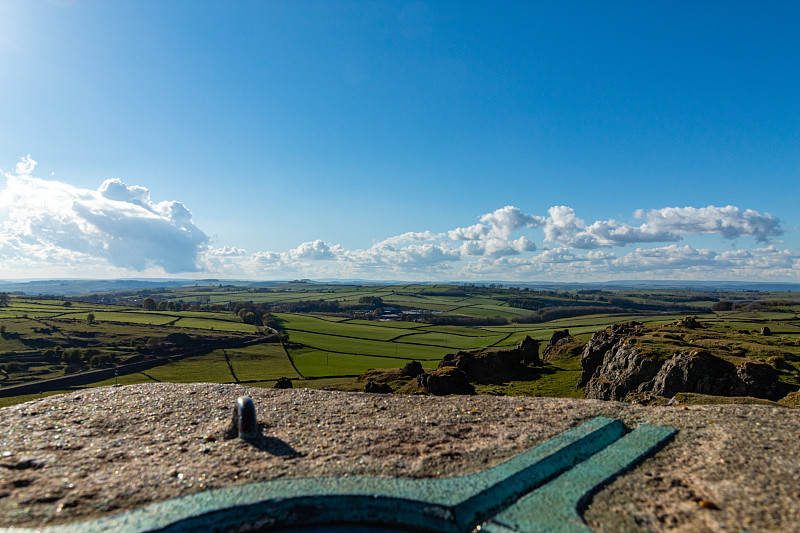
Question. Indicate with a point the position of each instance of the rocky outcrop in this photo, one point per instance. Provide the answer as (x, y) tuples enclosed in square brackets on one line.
[(758, 380), (444, 381), (377, 388), (601, 342), (530, 351), (567, 346), (412, 369), (283, 383), (623, 370), (617, 368), (558, 335), (697, 371), (690, 322), (485, 366)]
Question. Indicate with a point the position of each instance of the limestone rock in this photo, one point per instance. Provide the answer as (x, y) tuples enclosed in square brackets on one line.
[(444, 381), (377, 388), (283, 383), (485, 365), (624, 370), (697, 371), (597, 347), (791, 400), (758, 380), (565, 346), (530, 351), (690, 322), (412, 369), (558, 335)]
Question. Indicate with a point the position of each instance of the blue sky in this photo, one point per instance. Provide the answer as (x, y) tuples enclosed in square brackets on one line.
[(554, 141)]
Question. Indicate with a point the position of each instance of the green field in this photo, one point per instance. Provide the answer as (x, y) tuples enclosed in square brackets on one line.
[(334, 346)]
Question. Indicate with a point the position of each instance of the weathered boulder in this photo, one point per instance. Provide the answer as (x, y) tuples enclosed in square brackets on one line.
[(412, 369), (558, 335), (283, 383), (597, 347), (567, 346), (625, 372), (485, 365), (530, 351), (624, 369), (758, 380), (377, 388), (444, 381), (697, 371), (689, 322), (791, 400)]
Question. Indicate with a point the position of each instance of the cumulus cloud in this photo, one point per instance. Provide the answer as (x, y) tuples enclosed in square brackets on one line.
[(116, 223), (729, 221), (508, 219), (118, 229), (316, 250), (669, 224)]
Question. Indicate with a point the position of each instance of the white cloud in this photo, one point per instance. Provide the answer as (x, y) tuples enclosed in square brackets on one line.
[(116, 223), (412, 236), (118, 230), (315, 250), (729, 221), (228, 251), (508, 219), (670, 224)]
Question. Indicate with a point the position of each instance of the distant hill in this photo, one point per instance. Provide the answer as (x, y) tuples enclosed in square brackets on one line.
[(83, 286)]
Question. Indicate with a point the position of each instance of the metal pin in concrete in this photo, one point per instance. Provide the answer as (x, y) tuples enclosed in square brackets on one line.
[(244, 418)]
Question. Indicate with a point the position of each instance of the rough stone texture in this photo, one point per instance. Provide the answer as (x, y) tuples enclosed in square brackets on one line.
[(530, 351), (377, 388), (690, 322), (791, 400), (485, 366), (558, 335), (624, 370), (697, 371), (616, 368), (566, 346), (601, 342), (101, 451), (445, 380), (758, 380), (284, 383), (412, 369)]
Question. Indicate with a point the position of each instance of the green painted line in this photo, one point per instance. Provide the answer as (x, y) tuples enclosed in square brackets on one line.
[(557, 506), (455, 504)]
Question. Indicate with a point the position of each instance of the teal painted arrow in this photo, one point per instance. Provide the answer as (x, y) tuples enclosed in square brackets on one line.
[(557, 506), (494, 497)]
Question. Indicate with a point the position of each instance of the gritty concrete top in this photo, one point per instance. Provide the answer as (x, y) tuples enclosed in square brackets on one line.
[(102, 451)]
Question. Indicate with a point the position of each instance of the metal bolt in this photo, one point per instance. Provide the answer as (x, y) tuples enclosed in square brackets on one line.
[(244, 418)]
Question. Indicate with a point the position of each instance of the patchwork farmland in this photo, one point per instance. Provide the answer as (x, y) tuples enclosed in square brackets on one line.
[(363, 327)]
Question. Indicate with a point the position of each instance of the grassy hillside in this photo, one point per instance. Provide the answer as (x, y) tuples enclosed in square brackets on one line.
[(328, 349)]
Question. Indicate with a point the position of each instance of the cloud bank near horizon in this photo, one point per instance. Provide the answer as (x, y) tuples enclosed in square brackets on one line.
[(46, 222), (50, 226)]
